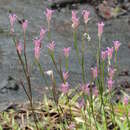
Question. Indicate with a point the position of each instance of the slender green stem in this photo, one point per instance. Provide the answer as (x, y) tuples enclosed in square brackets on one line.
[(41, 71), (25, 56), (113, 114), (91, 105), (98, 54), (31, 105), (127, 117), (104, 113), (68, 101), (26, 65), (66, 63), (85, 108), (28, 81), (102, 107), (22, 84), (56, 100), (103, 76), (82, 61), (57, 70), (24, 68), (116, 66), (49, 32), (75, 45), (89, 113)]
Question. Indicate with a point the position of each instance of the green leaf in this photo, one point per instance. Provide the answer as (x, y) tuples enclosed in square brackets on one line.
[(1, 127), (121, 124), (100, 127), (79, 120), (75, 98)]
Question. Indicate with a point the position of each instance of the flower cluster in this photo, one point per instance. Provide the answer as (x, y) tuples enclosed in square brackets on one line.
[(25, 25), (51, 46), (93, 97), (42, 33), (66, 51), (48, 14), (100, 29), (104, 55), (75, 20), (65, 88), (86, 89), (37, 44), (85, 14), (12, 18), (116, 45), (65, 75)]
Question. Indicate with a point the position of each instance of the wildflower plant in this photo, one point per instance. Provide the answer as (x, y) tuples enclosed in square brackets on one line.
[(89, 105)]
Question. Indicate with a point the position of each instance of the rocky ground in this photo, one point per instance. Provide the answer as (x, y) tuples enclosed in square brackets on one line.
[(116, 28)]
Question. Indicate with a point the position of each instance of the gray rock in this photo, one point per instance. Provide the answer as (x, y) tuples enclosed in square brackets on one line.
[(33, 10), (9, 85)]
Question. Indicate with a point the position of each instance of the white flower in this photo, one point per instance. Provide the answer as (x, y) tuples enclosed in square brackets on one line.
[(88, 37), (49, 72)]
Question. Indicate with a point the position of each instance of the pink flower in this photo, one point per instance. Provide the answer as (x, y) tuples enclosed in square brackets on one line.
[(81, 103), (125, 100), (51, 46), (48, 14), (12, 18), (74, 15), (75, 20), (37, 42), (95, 91), (94, 72), (37, 47), (103, 55), (37, 53), (110, 83), (65, 88), (65, 75), (111, 72), (25, 25), (100, 29), (116, 45), (19, 47), (109, 52), (66, 52), (85, 14), (85, 88), (42, 33), (71, 126)]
